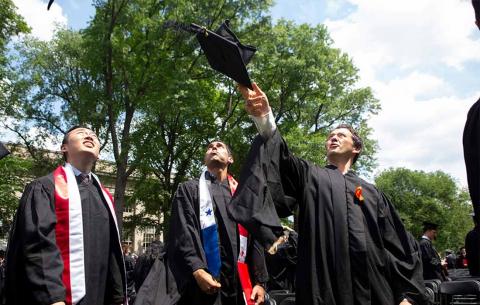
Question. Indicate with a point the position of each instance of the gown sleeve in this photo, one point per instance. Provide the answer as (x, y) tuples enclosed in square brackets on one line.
[(33, 239), (256, 263), (403, 256), (271, 183), (185, 251), (115, 285)]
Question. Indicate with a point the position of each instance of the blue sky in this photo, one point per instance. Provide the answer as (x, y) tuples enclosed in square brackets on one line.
[(421, 58)]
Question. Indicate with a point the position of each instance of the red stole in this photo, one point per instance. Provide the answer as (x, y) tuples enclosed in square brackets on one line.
[(242, 267), (69, 230)]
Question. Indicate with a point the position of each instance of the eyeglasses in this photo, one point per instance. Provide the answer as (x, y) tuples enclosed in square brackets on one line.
[(86, 133)]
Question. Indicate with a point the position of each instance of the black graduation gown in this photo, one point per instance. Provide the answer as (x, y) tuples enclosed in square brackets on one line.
[(472, 247), (471, 151), (432, 266), (158, 286), (186, 254), (34, 265), (349, 252)]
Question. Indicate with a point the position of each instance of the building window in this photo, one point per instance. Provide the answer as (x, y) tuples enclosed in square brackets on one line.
[(148, 237), (127, 238), (129, 206)]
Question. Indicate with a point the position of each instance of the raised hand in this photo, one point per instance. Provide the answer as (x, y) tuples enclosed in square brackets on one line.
[(256, 101)]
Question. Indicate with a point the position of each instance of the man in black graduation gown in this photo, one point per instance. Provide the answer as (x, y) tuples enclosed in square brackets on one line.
[(352, 247), (432, 264), (47, 262), (185, 246)]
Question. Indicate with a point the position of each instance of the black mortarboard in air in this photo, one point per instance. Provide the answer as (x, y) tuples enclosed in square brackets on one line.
[(49, 4), (225, 53), (429, 226), (471, 153), (3, 151)]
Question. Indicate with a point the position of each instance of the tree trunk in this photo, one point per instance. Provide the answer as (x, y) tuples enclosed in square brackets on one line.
[(119, 197)]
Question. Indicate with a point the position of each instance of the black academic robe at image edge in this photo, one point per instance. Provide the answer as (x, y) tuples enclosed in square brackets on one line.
[(34, 265), (185, 250), (471, 152), (472, 247), (432, 265), (349, 251)]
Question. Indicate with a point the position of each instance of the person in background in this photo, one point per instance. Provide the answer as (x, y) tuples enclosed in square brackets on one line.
[(129, 269), (461, 262), (432, 264), (451, 259)]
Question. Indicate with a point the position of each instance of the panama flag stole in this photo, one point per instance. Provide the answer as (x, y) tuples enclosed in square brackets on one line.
[(209, 228), (211, 242), (69, 230)]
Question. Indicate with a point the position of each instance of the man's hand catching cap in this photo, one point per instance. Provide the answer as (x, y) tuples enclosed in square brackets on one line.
[(256, 101)]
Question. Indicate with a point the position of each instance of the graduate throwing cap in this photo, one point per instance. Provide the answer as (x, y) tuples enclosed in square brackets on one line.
[(352, 245)]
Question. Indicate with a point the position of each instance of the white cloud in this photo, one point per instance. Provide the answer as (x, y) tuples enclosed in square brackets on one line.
[(398, 49), (406, 35), (42, 22), (421, 134)]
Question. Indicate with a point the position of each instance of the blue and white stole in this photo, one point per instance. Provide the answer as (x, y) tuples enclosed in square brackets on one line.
[(209, 228)]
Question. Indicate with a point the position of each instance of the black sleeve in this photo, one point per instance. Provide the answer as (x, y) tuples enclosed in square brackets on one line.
[(271, 183), (115, 284), (403, 256), (35, 233), (256, 263), (185, 251), (472, 248)]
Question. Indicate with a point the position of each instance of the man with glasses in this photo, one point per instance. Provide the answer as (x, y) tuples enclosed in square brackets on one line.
[(352, 245), (64, 246)]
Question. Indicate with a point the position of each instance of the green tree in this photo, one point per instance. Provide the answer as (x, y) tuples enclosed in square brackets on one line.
[(128, 77), (11, 184), (435, 197), (155, 103), (11, 25), (312, 88)]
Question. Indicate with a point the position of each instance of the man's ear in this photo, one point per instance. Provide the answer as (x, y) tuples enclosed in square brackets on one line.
[(230, 160), (63, 148)]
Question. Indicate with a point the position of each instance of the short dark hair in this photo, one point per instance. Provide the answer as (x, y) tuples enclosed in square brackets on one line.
[(428, 226), (226, 145), (65, 137), (228, 149), (357, 140)]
